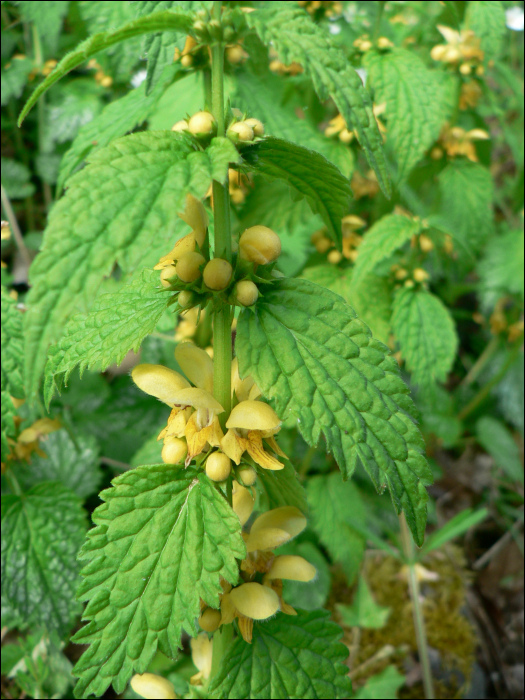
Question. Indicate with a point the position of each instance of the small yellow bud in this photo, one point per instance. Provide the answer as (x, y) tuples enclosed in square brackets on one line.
[(218, 466), (409, 284), (334, 257), (480, 70), (167, 274), (188, 267), (241, 131), (185, 298), (106, 81), (210, 620), (425, 243), (401, 274), (436, 153), (365, 46), (323, 245), (217, 274), (235, 54), (202, 123), (420, 275), (465, 69), (384, 43), (149, 685), (256, 125), (246, 292), (259, 244), (247, 475), (174, 450), (180, 126), (186, 61)]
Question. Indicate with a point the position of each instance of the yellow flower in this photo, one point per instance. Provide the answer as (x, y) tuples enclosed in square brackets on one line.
[(250, 422), (458, 142), (195, 216), (460, 47), (245, 388), (201, 655), (149, 685)]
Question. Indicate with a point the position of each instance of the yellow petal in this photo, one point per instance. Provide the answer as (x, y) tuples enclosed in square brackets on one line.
[(196, 364), (195, 216), (41, 427), (253, 415), (255, 601), (198, 398), (266, 538), (243, 502), (159, 381), (234, 446), (201, 653), (197, 437), (292, 568), (450, 35), (149, 685), (176, 423), (478, 134), (241, 387), (259, 455), (228, 610), (286, 518), (246, 628), (275, 447), (184, 245)]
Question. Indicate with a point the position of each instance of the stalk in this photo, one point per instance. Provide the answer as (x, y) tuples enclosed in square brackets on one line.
[(419, 622), (41, 106)]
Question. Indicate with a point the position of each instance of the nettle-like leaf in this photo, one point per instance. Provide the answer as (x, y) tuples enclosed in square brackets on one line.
[(290, 657), (47, 19), (117, 324), (282, 488), (384, 238), (413, 100), (488, 21), (297, 38), (263, 96), (14, 78), (426, 334), (16, 179), (42, 531), (163, 539), (501, 270), (327, 191), (123, 206), (115, 120), (333, 507), (311, 355), (160, 21), (467, 194), (74, 463), (12, 377)]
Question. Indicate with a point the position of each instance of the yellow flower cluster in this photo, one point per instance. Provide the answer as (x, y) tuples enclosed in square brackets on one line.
[(277, 66), (455, 141), (29, 439), (101, 78), (337, 126), (331, 9), (195, 54), (462, 49), (351, 240)]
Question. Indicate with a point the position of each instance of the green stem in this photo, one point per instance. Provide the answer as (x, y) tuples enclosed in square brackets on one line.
[(377, 25), (419, 622), (485, 391), (482, 361), (15, 229), (41, 112), (13, 482), (207, 87)]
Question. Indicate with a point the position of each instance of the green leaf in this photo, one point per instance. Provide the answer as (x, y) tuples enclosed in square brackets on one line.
[(176, 21), (310, 595), (497, 439), (334, 505), (364, 611), (309, 353), (117, 324), (42, 531), (290, 657), (295, 37), (426, 333), (74, 464), (439, 413), (12, 378), (123, 206), (282, 488), (74, 104), (384, 238), (263, 97), (413, 100), (16, 179), (467, 193), (501, 270), (115, 120), (308, 173), (455, 527), (150, 452), (47, 18), (14, 78), (510, 391), (488, 21), (382, 686), (162, 541)]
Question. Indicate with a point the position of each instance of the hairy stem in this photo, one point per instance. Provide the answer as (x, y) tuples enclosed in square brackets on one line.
[(419, 622), (15, 229), (41, 107)]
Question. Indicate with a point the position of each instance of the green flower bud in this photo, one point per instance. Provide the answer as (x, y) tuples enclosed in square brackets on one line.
[(167, 274), (210, 620), (174, 450), (247, 475), (185, 298), (218, 466), (188, 267), (257, 126), (260, 244), (202, 123), (246, 292), (217, 274)]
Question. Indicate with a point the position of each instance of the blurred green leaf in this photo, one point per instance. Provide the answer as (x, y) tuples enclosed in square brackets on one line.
[(364, 611), (16, 179), (497, 440), (455, 527), (383, 686)]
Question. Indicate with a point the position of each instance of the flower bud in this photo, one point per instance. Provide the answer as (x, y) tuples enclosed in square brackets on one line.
[(240, 131), (174, 450), (202, 123), (334, 257), (187, 62), (323, 244), (185, 298), (246, 292), (291, 568), (235, 54), (180, 126), (465, 69), (218, 466), (217, 274), (167, 274), (425, 243), (188, 267), (420, 275), (149, 685), (255, 601), (256, 125), (242, 502), (384, 43), (247, 475), (260, 244), (210, 620)]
